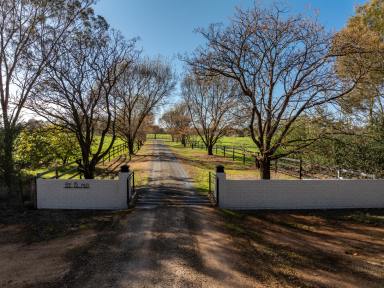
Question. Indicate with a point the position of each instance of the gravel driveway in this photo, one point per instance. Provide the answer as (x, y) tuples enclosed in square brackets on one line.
[(173, 238)]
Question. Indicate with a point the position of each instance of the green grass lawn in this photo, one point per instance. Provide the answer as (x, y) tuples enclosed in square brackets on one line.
[(233, 141), (107, 141), (199, 164), (235, 152), (236, 141), (51, 174)]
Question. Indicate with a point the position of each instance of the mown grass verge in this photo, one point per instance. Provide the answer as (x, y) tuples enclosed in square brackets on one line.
[(198, 165)]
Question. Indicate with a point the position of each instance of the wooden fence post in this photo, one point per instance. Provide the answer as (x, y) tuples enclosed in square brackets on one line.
[(224, 151), (301, 169), (233, 153), (34, 191), (243, 158), (209, 181), (56, 170)]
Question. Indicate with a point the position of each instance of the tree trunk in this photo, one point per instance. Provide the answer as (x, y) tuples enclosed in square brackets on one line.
[(7, 161), (265, 168), (183, 141), (89, 171), (131, 147), (87, 166), (210, 149)]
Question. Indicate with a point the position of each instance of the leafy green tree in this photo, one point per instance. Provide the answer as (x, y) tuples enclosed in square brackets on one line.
[(65, 146), (33, 148), (41, 145), (364, 37), (362, 147)]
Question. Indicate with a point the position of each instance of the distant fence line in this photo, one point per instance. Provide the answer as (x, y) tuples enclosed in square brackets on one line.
[(290, 166), (69, 168)]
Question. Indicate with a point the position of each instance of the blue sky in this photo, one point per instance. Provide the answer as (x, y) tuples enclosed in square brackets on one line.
[(166, 27)]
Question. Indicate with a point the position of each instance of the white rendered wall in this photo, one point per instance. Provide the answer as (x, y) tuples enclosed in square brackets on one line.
[(300, 194), (90, 194)]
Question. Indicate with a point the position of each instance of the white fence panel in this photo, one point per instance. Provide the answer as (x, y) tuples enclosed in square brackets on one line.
[(300, 194)]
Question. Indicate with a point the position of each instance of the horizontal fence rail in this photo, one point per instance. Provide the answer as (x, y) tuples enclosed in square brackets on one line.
[(55, 169), (294, 167), (62, 170)]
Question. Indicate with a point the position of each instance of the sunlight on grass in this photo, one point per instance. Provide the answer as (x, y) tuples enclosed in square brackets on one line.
[(198, 165)]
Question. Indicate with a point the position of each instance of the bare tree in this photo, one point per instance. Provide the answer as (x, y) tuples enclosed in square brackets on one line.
[(145, 128), (77, 93), (141, 89), (209, 103), (177, 121), (284, 66), (29, 33)]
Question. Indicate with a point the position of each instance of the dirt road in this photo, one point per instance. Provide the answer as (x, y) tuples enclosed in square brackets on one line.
[(173, 238)]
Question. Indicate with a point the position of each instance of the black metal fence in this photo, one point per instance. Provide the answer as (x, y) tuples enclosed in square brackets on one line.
[(60, 171), (115, 151), (295, 167), (72, 168)]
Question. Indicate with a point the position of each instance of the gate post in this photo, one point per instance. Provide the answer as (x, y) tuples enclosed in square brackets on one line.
[(124, 189), (220, 178)]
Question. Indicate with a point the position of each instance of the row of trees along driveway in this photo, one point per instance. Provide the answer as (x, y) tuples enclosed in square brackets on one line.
[(284, 67)]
